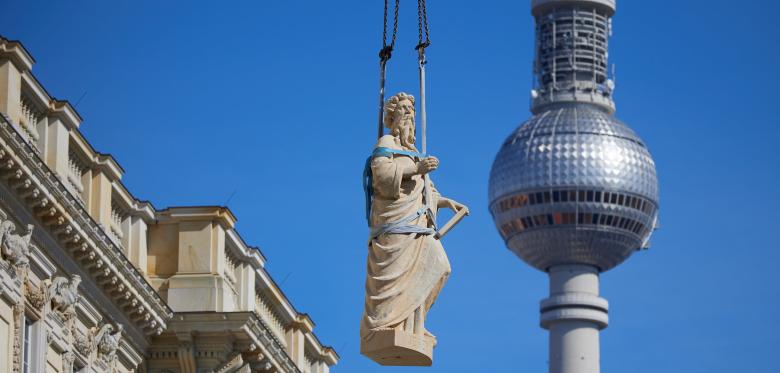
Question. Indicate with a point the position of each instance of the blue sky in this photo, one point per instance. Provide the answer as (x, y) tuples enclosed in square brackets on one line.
[(275, 104)]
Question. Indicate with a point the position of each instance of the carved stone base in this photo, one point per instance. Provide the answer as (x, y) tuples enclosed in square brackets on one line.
[(398, 348)]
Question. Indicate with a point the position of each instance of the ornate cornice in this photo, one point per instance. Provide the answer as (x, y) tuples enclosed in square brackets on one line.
[(250, 336), (16, 52), (68, 221), (276, 349)]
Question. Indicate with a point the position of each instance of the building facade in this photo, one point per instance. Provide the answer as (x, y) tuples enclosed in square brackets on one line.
[(93, 279)]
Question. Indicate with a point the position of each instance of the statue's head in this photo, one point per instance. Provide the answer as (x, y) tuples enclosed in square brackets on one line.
[(399, 118), (7, 227)]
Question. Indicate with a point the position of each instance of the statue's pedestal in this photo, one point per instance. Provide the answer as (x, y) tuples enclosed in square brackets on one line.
[(399, 348)]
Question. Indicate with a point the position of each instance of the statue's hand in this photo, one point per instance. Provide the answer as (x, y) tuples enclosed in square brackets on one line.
[(427, 165), (453, 205)]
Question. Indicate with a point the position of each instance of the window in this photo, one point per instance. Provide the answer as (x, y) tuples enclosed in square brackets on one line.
[(27, 347), (518, 201)]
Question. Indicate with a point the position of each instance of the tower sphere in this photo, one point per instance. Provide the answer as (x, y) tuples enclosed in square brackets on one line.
[(574, 185)]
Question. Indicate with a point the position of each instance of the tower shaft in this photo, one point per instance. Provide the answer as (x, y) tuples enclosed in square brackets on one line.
[(574, 314)]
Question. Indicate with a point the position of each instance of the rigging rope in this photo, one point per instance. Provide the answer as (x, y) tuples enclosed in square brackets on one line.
[(384, 55), (422, 25)]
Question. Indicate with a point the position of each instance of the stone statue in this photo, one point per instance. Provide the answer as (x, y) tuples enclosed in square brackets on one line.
[(106, 342), (64, 295), (13, 246), (407, 265)]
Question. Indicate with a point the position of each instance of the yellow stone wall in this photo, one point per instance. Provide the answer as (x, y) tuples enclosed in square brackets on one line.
[(53, 361), (6, 335)]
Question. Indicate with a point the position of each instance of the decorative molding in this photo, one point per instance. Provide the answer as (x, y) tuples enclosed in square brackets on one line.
[(56, 208), (269, 340), (18, 311), (36, 296)]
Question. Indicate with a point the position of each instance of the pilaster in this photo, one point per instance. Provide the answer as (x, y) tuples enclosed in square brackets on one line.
[(296, 338), (137, 242), (55, 147), (246, 288), (100, 199), (10, 89)]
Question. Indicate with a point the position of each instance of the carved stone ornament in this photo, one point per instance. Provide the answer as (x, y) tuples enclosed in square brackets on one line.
[(36, 295), (68, 359), (15, 248), (106, 342), (82, 343), (18, 312), (64, 295), (407, 265)]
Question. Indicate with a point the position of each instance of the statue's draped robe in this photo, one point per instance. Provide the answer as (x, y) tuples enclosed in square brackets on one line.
[(405, 271)]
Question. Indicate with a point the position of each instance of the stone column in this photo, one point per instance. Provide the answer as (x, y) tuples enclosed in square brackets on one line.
[(574, 314)]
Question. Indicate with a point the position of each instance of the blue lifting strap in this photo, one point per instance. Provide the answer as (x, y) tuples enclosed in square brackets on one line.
[(368, 177), (403, 226)]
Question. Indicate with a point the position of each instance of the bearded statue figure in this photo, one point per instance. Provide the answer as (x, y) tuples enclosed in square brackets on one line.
[(407, 265)]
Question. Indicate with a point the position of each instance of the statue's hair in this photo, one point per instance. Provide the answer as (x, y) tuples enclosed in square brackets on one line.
[(391, 105)]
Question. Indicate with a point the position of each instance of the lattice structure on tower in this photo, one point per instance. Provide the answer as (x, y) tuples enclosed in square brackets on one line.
[(572, 59)]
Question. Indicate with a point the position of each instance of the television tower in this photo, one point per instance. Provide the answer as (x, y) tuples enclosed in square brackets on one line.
[(573, 191)]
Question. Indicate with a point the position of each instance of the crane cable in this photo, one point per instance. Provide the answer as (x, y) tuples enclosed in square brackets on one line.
[(384, 55), (424, 41), (387, 52)]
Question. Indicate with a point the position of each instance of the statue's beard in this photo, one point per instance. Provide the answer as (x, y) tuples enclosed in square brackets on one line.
[(406, 133)]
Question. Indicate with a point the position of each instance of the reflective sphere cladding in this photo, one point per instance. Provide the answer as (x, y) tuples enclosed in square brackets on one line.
[(574, 185)]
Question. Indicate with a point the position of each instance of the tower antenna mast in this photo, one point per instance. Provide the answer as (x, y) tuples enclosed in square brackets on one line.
[(573, 191)]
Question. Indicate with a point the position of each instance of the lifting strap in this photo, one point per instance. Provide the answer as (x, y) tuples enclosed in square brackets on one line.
[(368, 188)]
